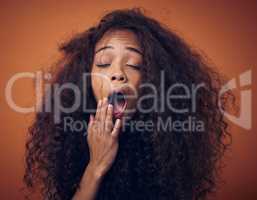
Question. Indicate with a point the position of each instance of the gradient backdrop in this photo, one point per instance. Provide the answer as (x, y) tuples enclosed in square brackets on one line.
[(31, 31)]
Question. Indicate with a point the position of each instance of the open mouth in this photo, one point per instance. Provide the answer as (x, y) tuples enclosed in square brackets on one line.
[(119, 102)]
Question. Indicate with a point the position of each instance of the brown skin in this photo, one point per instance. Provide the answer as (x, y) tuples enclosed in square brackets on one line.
[(121, 70), (122, 62)]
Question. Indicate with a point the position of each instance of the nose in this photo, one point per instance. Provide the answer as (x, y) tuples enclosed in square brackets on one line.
[(121, 77), (117, 73)]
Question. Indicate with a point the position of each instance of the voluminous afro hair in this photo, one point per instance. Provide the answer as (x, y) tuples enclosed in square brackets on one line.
[(158, 164)]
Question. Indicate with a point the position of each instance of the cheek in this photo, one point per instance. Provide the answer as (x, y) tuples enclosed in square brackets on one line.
[(95, 87), (135, 80), (99, 84), (96, 83)]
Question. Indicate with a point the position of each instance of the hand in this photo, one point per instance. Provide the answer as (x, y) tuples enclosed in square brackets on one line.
[(103, 138), (103, 146)]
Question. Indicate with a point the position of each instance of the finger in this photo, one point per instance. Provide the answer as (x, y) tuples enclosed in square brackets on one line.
[(91, 120), (90, 123), (116, 128), (108, 120), (103, 114), (103, 109), (98, 109)]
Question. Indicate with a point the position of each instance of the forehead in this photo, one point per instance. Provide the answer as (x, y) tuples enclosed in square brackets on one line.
[(118, 37)]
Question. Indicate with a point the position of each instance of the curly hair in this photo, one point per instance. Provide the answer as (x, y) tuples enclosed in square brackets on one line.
[(157, 164)]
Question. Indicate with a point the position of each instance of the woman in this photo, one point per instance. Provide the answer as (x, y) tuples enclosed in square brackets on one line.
[(123, 52)]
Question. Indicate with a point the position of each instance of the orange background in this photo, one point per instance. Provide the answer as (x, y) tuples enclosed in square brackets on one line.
[(31, 31)]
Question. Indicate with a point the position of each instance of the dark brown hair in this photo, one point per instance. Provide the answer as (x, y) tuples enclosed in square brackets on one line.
[(159, 164)]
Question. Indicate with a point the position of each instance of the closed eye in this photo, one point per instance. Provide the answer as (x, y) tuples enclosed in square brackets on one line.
[(106, 65), (102, 65), (134, 66)]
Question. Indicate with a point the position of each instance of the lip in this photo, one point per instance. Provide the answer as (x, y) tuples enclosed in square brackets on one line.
[(119, 113), (123, 90)]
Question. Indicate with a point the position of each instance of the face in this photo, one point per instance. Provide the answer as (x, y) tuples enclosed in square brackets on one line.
[(116, 68)]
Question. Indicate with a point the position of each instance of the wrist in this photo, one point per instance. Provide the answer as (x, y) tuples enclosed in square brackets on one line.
[(89, 183), (94, 172)]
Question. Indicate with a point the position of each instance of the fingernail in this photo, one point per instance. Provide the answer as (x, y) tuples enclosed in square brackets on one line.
[(118, 121)]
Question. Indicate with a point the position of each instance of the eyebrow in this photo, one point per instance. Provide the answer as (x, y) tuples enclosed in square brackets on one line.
[(128, 48)]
